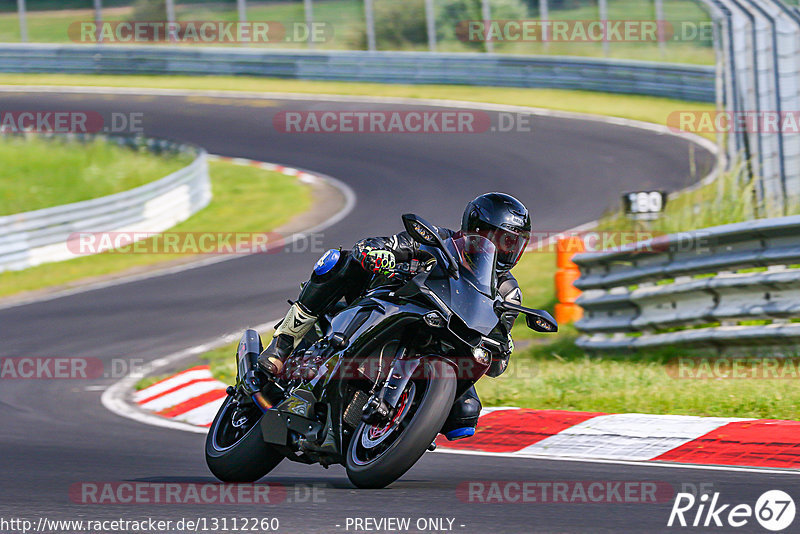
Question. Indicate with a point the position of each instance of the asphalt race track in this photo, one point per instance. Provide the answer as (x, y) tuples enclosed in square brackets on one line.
[(56, 433)]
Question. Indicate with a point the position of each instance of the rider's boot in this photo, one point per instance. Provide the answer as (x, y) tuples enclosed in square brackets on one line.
[(297, 323), (463, 417)]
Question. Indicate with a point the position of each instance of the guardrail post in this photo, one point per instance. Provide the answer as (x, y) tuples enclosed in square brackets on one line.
[(98, 20), (241, 8), (23, 22), (430, 22), (308, 8), (544, 19), (486, 13), (369, 20), (660, 26), (566, 274), (602, 6), (171, 20)]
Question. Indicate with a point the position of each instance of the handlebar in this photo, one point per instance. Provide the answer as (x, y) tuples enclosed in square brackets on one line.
[(412, 268)]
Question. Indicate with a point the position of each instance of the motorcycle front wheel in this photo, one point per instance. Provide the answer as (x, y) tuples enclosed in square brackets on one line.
[(380, 454), (235, 450)]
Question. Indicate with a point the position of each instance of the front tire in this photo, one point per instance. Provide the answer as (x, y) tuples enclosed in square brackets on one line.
[(238, 454), (376, 457)]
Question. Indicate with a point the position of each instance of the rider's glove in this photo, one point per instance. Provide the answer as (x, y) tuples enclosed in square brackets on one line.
[(378, 261)]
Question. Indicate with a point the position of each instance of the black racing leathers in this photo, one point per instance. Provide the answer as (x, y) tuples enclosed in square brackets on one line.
[(405, 249)]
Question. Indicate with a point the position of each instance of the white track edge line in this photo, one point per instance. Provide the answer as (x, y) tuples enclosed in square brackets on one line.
[(641, 463), (114, 398)]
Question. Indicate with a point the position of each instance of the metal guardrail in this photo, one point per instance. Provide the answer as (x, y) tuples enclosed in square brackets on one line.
[(722, 287), (686, 82), (41, 236)]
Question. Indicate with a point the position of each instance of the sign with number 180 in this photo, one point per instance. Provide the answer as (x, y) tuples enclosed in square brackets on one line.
[(644, 202)]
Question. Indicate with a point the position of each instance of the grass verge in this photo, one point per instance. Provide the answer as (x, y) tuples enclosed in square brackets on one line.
[(285, 195), (637, 107), (39, 173)]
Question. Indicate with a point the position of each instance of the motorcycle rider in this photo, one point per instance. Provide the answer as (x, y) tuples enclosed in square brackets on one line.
[(338, 274)]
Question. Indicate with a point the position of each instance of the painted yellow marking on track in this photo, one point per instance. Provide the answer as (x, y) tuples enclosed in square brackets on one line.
[(141, 98), (223, 101)]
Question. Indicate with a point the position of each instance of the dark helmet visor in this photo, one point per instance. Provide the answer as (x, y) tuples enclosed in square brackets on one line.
[(510, 244)]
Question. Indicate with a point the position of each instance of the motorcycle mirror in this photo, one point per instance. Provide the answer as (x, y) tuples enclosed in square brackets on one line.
[(541, 321), (538, 320), (424, 232), (421, 230)]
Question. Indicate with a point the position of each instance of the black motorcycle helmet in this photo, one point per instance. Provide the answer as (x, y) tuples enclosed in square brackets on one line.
[(502, 219)]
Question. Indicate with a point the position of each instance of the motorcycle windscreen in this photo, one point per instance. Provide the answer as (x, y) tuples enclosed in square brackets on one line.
[(477, 257), (471, 296)]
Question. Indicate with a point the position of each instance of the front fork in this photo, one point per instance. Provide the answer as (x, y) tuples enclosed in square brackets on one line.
[(381, 406)]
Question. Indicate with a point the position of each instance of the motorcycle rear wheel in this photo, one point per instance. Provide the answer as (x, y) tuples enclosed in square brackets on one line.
[(377, 456), (238, 454)]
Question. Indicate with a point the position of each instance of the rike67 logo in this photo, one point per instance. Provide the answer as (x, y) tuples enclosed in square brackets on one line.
[(774, 510)]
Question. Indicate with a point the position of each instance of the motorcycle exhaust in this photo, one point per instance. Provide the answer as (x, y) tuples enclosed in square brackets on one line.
[(250, 346), (262, 401)]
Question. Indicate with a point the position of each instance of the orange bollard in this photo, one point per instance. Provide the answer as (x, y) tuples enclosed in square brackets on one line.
[(566, 292)]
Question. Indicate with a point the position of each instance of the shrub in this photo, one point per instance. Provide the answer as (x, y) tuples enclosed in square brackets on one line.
[(149, 10), (400, 25), (452, 15)]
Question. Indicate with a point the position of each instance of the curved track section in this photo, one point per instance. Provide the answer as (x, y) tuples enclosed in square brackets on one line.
[(56, 434)]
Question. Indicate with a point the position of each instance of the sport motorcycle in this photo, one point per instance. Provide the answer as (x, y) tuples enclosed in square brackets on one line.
[(371, 386)]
